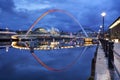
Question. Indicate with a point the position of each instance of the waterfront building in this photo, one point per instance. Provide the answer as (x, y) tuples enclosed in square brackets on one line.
[(6, 33), (21, 31), (54, 32), (114, 30), (40, 31)]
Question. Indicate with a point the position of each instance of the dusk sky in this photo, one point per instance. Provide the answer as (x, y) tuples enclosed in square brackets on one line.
[(21, 14)]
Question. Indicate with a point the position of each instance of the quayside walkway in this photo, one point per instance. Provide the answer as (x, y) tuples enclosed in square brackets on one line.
[(107, 65), (101, 70)]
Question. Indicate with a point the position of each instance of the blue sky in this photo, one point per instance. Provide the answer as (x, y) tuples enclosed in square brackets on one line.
[(21, 14)]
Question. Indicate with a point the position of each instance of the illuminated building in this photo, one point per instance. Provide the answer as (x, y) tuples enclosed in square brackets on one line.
[(6, 33), (115, 29), (54, 31), (40, 31)]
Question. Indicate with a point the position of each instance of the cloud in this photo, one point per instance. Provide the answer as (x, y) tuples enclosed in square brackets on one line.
[(87, 12), (31, 5), (7, 5)]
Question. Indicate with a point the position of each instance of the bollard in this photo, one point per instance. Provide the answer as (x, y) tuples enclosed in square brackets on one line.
[(106, 48), (104, 45), (102, 42), (110, 55)]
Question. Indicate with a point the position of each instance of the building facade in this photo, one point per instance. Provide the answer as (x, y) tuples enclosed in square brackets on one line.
[(114, 29)]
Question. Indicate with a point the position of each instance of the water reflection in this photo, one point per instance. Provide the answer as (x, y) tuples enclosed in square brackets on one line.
[(47, 45), (18, 64), (5, 45)]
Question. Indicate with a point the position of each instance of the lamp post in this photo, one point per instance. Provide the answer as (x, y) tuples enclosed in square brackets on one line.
[(99, 35), (103, 14), (101, 31)]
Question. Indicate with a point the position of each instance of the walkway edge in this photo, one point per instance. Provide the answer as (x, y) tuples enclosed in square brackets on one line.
[(101, 70)]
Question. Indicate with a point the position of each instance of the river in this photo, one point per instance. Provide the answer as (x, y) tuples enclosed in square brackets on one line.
[(19, 64)]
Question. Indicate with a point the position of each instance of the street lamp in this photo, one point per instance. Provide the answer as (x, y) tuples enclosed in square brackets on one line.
[(101, 32), (103, 14)]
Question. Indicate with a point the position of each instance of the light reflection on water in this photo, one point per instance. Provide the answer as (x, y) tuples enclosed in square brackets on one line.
[(19, 64)]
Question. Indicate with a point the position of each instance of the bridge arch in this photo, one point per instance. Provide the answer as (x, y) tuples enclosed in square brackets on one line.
[(56, 10), (32, 49)]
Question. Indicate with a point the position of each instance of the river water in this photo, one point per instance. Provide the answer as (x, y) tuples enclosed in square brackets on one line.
[(19, 64)]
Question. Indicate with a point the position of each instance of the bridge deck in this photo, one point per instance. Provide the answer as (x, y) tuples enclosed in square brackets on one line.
[(101, 71)]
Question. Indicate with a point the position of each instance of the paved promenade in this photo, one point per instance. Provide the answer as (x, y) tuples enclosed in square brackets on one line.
[(101, 71)]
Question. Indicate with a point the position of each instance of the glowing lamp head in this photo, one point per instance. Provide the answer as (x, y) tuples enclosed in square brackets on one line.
[(101, 26), (99, 30), (103, 14)]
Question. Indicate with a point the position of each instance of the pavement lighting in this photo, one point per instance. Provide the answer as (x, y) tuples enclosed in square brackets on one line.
[(100, 32), (103, 14), (100, 26)]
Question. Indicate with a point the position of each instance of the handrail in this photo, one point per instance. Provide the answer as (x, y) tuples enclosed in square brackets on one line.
[(116, 53), (115, 68), (110, 52)]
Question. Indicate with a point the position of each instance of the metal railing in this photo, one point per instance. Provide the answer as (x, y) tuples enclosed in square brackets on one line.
[(110, 52), (116, 53), (115, 68), (117, 71)]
